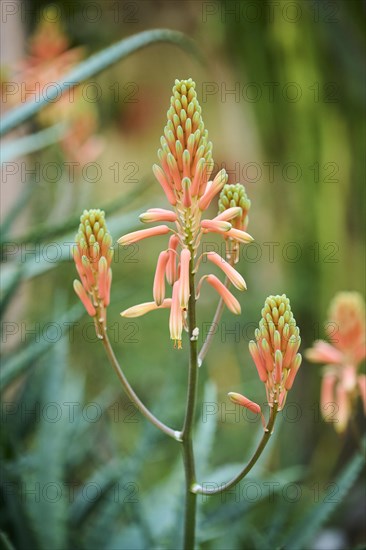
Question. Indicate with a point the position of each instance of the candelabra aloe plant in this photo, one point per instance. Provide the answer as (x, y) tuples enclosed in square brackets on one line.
[(184, 172)]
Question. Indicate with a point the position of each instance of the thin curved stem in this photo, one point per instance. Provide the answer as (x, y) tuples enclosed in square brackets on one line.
[(198, 489), (207, 343), (188, 456), (130, 392), (215, 321)]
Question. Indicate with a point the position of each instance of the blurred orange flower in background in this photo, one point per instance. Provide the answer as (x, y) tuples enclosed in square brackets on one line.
[(341, 383), (49, 59)]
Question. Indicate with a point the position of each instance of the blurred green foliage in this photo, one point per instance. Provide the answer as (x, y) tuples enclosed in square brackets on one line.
[(133, 474)]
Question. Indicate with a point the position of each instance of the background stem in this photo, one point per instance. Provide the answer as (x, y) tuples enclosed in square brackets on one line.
[(215, 321), (207, 343)]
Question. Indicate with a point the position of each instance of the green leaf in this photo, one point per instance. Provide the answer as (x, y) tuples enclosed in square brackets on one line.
[(30, 144), (8, 293), (304, 531), (43, 232), (18, 207), (130, 537), (38, 264), (103, 478), (5, 542), (47, 509), (163, 506), (94, 65), (21, 360)]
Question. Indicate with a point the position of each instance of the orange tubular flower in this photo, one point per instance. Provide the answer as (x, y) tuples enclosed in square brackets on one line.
[(341, 383), (93, 256), (185, 167)]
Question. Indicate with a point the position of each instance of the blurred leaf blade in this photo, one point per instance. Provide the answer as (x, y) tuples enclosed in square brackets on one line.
[(44, 231), (32, 143), (303, 533), (21, 360), (94, 65)]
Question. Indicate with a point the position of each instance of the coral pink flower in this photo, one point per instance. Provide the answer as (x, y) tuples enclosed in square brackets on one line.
[(176, 317), (159, 280), (229, 270), (239, 399), (171, 267), (158, 215), (322, 352), (146, 307), (184, 170), (341, 384), (216, 226), (136, 236), (86, 301), (240, 236), (185, 257), (230, 300)]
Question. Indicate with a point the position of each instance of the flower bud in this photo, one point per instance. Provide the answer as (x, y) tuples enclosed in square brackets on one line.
[(185, 148), (275, 351), (233, 197), (93, 256)]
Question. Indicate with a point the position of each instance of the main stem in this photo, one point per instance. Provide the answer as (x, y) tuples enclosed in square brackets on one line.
[(188, 457)]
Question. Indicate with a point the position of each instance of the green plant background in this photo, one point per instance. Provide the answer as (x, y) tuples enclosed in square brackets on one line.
[(314, 219)]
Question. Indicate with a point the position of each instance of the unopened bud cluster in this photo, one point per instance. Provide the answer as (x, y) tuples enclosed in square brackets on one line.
[(275, 350), (233, 196), (93, 256)]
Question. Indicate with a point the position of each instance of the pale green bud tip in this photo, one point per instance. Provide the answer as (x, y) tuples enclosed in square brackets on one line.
[(184, 134), (93, 238), (232, 196)]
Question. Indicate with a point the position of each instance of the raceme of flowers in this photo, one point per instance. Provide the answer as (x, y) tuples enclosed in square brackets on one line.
[(93, 256), (342, 384), (184, 170), (275, 353)]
